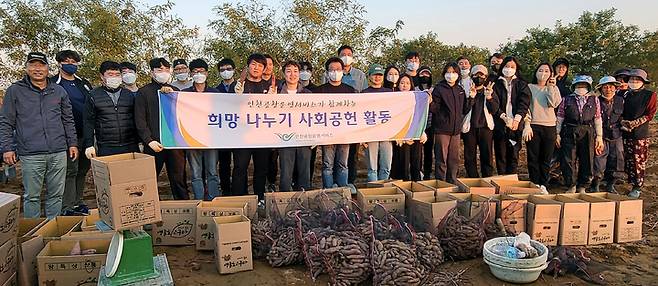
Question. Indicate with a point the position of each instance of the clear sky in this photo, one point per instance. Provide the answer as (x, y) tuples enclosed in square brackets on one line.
[(473, 22)]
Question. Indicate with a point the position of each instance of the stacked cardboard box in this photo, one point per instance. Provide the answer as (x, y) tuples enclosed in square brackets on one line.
[(9, 210)]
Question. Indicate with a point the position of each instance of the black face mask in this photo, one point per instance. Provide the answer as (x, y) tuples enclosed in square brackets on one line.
[(495, 68), (478, 81), (425, 80)]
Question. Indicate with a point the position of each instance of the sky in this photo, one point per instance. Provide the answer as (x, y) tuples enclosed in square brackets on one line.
[(473, 22)]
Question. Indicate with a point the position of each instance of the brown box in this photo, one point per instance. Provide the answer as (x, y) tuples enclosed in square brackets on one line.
[(427, 212), (9, 210), (89, 223), (57, 267), (510, 177), (126, 190), (505, 187), (391, 198), (440, 186), (574, 222), (178, 225), (543, 219), (61, 225), (8, 260), (11, 281), (233, 244), (205, 228), (327, 199), (476, 186), (277, 203), (29, 246), (250, 202), (88, 235), (382, 183), (512, 211), (485, 205), (628, 217), (601, 218), (413, 190)]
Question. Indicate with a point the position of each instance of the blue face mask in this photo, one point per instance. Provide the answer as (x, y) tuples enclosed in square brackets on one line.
[(70, 68)]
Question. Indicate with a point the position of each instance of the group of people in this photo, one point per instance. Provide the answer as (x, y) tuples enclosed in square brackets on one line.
[(603, 128)]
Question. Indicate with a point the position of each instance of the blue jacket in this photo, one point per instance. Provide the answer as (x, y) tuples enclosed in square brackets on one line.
[(36, 121)]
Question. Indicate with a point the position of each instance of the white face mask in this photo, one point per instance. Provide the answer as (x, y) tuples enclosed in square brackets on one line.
[(129, 78), (465, 73), (305, 75), (635, 85), (580, 91), (412, 66), (347, 60), (509, 72), (335, 75), (227, 74), (182, 76), (199, 78), (542, 76), (392, 78), (162, 77), (113, 82), (451, 76)]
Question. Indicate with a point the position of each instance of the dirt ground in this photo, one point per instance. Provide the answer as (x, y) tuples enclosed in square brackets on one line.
[(618, 264)]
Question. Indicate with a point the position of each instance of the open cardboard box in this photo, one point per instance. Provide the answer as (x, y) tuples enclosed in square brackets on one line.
[(233, 244), (178, 225), (413, 190), (440, 186), (89, 223), (277, 203), (574, 223), (58, 267), (485, 205), (476, 186), (515, 187), (543, 219), (428, 212), (601, 218), (328, 199), (251, 202), (382, 183), (512, 212), (510, 177), (205, 227), (29, 246), (55, 228), (628, 216), (391, 198)]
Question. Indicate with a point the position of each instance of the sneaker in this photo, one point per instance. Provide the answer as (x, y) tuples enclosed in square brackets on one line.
[(571, 190), (82, 209), (582, 190), (271, 188), (352, 188), (70, 213), (610, 188), (543, 189), (635, 193), (594, 187)]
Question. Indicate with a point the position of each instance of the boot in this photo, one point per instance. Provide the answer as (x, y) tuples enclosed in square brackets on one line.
[(635, 193), (594, 187), (610, 187)]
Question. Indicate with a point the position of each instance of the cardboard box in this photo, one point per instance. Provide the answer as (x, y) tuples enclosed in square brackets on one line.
[(601, 218), (57, 267), (510, 177), (8, 260), (391, 198), (233, 244), (88, 235), (476, 186), (29, 246), (61, 225), (574, 222), (440, 186), (543, 219), (628, 217), (11, 281), (328, 199), (89, 223), (251, 202), (178, 225), (486, 206), (382, 183), (205, 228), (428, 212), (413, 190), (278, 203), (515, 187), (512, 211), (126, 190), (9, 210)]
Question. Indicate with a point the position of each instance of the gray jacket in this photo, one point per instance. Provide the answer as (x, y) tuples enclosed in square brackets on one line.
[(36, 121)]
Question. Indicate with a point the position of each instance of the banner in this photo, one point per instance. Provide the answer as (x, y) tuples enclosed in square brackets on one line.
[(192, 120)]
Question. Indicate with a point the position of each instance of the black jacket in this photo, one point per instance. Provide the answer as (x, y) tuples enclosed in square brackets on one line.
[(147, 112), (637, 104), (85, 88), (611, 116), (113, 125), (36, 121), (231, 88), (448, 107), (520, 101)]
